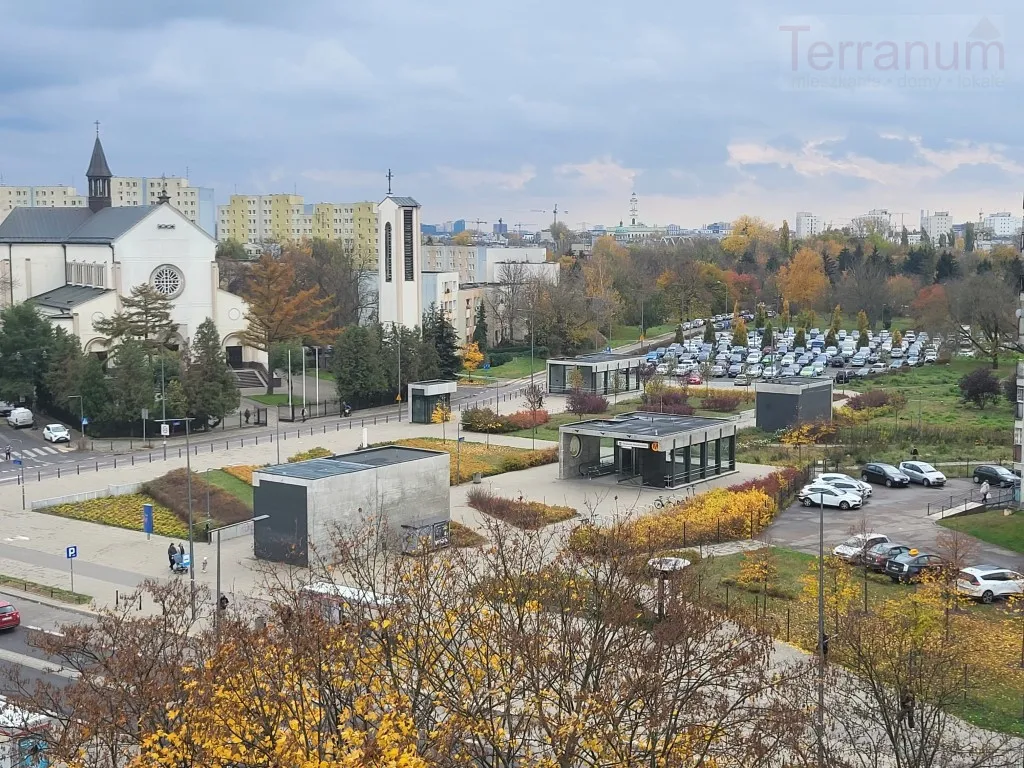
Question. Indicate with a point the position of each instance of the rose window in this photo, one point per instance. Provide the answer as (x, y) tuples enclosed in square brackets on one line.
[(168, 280)]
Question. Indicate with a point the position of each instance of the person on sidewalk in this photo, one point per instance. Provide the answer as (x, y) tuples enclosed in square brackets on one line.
[(906, 707), (171, 553), (7, 453), (248, 415), (181, 551), (985, 489)]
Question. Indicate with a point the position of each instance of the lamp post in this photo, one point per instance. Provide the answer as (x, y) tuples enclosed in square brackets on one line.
[(81, 417), (20, 461), (822, 642), (217, 594)]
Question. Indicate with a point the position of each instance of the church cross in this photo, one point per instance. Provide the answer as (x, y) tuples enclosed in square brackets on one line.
[(390, 177), (97, 124)]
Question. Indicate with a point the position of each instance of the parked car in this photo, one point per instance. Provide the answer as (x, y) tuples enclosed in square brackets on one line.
[(876, 557), (9, 616), (694, 379), (831, 477), (923, 473), (853, 549), (987, 582), (847, 486), (844, 376), (910, 565), (56, 433), (718, 371), (877, 368), (827, 495), (5, 408), (998, 476), (743, 380), (735, 370), (20, 417), (886, 474)]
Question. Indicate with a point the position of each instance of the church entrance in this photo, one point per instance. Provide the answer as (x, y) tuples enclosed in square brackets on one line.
[(234, 356)]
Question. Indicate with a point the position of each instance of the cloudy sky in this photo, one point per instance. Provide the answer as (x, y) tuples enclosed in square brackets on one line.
[(500, 108)]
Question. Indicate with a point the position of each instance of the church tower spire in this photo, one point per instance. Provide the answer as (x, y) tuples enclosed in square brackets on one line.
[(99, 177)]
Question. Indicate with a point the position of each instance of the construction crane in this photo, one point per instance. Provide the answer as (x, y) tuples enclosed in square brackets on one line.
[(478, 222), (553, 212)]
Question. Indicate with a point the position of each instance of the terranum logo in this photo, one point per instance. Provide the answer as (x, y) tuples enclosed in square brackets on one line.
[(929, 52)]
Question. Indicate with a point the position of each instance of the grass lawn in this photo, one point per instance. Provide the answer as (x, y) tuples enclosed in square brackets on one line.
[(992, 526), (629, 334), (240, 490), (325, 375), (463, 537), (123, 512), (994, 696), (933, 395), (470, 457), (516, 368), (43, 590), (280, 398)]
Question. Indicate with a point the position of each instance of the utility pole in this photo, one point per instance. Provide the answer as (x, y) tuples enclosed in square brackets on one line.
[(822, 642)]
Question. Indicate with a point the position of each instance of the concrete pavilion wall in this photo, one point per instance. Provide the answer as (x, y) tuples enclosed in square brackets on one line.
[(569, 465)]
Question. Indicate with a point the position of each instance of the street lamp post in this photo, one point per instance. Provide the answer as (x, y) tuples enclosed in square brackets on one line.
[(217, 594), (21, 468), (822, 642), (81, 416)]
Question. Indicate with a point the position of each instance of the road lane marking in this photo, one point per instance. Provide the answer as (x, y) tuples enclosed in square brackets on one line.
[(47, 667)]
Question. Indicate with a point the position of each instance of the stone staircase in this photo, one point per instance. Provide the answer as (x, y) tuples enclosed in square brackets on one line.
[(247, 378)]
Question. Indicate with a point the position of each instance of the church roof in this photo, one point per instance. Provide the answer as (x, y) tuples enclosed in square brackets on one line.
[(98, 164), (403, 202), (70, 225), (68, 296)]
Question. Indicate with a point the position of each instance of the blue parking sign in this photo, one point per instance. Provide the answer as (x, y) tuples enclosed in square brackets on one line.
[(71, 553)]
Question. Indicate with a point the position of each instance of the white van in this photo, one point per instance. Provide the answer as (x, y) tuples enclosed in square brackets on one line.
[(20, 417)]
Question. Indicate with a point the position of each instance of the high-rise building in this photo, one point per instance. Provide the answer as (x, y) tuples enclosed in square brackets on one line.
[(253, 219), (1002, 225), (458, 226), (807, 225), (935, 224), (876, 221)]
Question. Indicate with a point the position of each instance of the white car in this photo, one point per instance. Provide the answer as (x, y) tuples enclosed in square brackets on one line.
[(987, 582), (56, 433), (832, 477), (826, 495), (923, 473), (854, 547)]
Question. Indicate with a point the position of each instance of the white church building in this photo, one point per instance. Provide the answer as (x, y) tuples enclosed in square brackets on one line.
[(75, 264), (400, 266)]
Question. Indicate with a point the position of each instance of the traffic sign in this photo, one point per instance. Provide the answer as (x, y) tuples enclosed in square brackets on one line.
[(17, 462), (145, 413), (165, 430), (147, 519), (71, 553), (85, 421)]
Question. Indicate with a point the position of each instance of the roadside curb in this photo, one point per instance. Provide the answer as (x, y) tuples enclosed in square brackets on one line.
[(30, 597)]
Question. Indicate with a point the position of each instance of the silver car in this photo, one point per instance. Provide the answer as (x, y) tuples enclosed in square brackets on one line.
[(923, 473)]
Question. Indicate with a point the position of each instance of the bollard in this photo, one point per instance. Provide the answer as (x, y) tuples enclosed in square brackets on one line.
[(727, 598), (58, 471), (78, 469), (787, 625), (133, 459), (131, 444), (150, 457), (115, 466), (257, 439), (97, 466)]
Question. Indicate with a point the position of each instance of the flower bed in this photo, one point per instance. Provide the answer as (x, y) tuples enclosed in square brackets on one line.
[(723, 514), (487, 421), (478, 457), (313, 453), (171, 490), (242, 472), (463, 537), (518, 512), (123, 512)]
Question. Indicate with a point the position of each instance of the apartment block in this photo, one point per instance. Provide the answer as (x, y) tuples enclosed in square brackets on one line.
[(807, 225), (252, 219), (195, 202), (1002, 225), (935, 224)]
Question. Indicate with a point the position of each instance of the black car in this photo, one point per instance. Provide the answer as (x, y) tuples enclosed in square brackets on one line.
[(885, 474), (844, 376), (997, 476), (837, 361), (910, 565), (876, 558)]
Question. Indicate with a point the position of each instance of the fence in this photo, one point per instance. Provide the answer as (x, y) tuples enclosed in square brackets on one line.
[(208, 445), (74, 498), (972, 502)]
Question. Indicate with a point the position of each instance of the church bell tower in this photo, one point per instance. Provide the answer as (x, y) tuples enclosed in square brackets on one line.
[(99, 177)]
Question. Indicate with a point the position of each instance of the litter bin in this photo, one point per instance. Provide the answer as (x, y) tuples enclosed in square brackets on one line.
[(476, 478)]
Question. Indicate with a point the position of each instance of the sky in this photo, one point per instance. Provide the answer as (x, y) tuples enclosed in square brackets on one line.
[(505, 109)]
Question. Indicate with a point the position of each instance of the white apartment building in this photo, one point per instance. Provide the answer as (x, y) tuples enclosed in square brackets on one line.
[(1002, 225), (877, 220), (807, 225), (442, 290), (935, 224), (195, 202), (483, 264)]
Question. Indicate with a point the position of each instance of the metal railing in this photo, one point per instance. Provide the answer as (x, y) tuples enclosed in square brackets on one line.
[(972, 501)]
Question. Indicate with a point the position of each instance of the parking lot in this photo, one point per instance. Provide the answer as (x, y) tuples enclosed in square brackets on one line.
[(899, 513)]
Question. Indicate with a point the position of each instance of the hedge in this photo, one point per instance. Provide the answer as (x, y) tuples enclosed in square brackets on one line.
[(171, 490)]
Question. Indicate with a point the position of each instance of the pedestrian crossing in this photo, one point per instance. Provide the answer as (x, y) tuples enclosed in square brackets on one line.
[(36, 453)]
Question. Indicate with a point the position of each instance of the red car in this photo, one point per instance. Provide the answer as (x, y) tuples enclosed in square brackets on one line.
[(9, 616), (694, 379)]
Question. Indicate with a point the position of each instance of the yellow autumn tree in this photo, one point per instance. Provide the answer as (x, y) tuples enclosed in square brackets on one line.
[(748, 232), (441, 414), (472, 357), (803, 280)]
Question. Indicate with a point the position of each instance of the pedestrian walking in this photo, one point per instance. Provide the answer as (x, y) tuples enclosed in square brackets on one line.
[(7, 453), (204, 563), (181, 550), (171, 552), (906, 707), (248, 415), (985, 489), (303, 414)]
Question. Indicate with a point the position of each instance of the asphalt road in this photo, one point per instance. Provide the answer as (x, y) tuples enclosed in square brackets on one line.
[(27, 663), (36, 453)]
